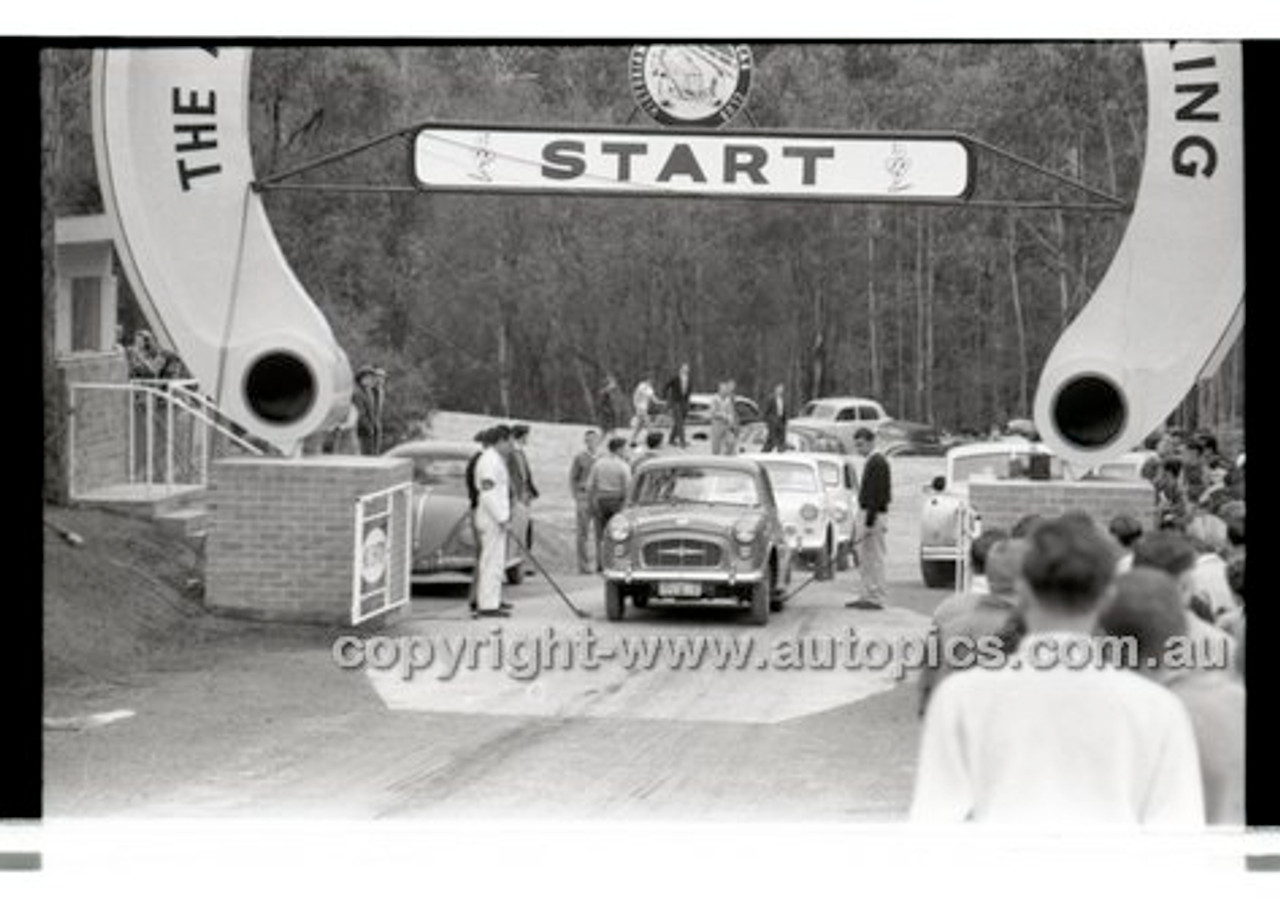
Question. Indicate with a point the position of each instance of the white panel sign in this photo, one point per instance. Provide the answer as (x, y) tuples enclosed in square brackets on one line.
[(803, 166)]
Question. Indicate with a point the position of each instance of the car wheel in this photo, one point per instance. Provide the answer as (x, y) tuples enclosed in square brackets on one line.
[(844, 557), (759, 603), (515, 574), (613, 601), (823, 568), (777, 591), (938, 573)]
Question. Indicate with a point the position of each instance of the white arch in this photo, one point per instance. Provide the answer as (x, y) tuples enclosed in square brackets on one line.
[(171, 135), (1175, 288)]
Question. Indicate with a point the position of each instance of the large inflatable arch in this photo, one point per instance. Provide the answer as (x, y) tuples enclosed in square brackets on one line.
[(171, 131), (171, 137)]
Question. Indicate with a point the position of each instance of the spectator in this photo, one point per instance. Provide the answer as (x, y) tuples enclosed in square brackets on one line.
[(146, 361), (978, 550), (1171, 495), (1051, 744), (724, 420), (1147, 609), (1208, 535), (643, 401), (976, 615), (523, 490), (1232, 513), (368, 399), (584, 515), (607, 487), (652, 443), (1026, 525), (677, 392), (776, 413), (1126, 530), (874, 498), (1171, 552), (1232, 621), (612, 406)]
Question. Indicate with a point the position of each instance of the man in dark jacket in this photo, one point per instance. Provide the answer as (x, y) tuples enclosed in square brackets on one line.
[(676, 394), (873, 499), (776, 413), (368, 401)]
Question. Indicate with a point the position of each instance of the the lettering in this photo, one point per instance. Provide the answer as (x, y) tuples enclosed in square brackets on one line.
[(1195, 154), (746, 159), (809, 157), (560, 163), (195, 137), (624, 153), (681, 161)]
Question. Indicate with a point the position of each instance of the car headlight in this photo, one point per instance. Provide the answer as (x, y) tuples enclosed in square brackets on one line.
[(619, 529), (809, 511)]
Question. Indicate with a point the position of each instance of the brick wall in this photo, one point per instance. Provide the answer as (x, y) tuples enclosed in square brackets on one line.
[(282, 531), (101, 448), (1002, 503)]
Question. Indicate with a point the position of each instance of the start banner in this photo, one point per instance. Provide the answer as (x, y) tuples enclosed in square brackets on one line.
[(801, 166)]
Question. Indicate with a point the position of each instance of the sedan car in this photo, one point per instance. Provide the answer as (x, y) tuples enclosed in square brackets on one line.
[(842, 416), (752, 438), (840, 479), (901, 438), (697, 528), (443, 539), (804, 507), (947, 498)]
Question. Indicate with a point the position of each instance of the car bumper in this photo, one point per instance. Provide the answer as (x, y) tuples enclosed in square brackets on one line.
[(645, 576), (939, 552)]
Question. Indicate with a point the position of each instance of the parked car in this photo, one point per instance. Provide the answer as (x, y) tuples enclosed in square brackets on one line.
[(804, 507), (697, 422), (442, 534), (840, 479), (948, 496), (842, 416), (901, 438), (752, 438), (697, 528), (1128, 468)]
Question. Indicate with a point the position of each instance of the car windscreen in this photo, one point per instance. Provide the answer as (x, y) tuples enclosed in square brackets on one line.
[(695, 485), (791, 477), (830, 473), (816, 410), (437, 469), (1000, 466)]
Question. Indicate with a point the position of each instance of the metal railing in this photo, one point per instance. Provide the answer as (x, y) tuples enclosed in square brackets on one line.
[(171, 435)]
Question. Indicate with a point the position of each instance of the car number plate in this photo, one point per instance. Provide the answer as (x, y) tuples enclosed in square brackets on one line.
[(680, 589)]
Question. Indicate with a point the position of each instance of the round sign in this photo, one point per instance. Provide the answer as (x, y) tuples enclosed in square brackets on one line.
[(691, 84), (373, 564)]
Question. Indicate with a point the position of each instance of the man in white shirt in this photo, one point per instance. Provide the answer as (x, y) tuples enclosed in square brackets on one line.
[(493, 515), (1044, 741)]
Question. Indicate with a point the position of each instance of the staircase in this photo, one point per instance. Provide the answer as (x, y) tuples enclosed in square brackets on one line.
[(145, 448)]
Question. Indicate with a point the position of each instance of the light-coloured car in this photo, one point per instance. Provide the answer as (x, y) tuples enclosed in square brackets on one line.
[(443, 540), (842, 416), (697, 528), (840, 479), (947, 497), (803, 506)]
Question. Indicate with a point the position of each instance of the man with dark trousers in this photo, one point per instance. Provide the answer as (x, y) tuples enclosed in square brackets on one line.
[(676, 394), (873, 499), (775, 419)]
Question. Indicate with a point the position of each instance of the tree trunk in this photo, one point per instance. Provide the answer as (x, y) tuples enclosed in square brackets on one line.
[(873, 332), (55, 413), (504, 371), (928, 312), (899, 368), (1015, 297), (918, 408)]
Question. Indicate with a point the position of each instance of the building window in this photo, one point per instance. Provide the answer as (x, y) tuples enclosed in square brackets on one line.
[(86, 313)]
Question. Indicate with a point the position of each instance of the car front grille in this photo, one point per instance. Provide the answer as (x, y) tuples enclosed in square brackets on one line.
[(667, 553)]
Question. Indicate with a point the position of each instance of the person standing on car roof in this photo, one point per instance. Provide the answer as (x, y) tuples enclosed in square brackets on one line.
[(775, 418), (874, 495), (676, 394)]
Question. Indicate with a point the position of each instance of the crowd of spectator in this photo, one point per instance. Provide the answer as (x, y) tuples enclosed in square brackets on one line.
[(1151, 730)]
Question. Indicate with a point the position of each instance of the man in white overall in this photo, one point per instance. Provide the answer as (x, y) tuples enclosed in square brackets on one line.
[(493, 515)]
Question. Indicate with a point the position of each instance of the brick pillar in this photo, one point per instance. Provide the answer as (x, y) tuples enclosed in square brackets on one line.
[(101, 420), (1002, 503), (282, 534)]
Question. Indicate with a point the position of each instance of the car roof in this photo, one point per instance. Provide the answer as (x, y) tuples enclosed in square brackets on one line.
[(785, 456), (1007, 446), (430, 446), (843, 400), (742, 462)]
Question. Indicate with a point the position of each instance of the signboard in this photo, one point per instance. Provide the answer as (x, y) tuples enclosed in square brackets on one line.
[(383, 544), (691, 84), (804, 166)]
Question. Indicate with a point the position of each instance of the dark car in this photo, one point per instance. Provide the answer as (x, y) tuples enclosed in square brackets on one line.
[(902, 438), (443, 540), (697, 528)]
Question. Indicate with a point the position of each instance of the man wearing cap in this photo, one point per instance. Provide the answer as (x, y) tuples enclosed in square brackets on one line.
[(368, 399), (493, 516)]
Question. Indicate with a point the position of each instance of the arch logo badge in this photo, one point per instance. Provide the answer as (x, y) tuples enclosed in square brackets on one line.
[(691, 84)]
